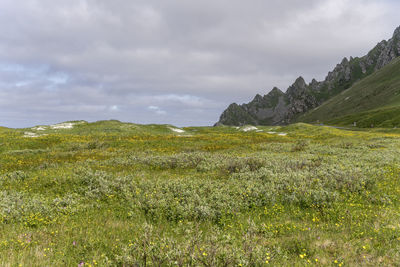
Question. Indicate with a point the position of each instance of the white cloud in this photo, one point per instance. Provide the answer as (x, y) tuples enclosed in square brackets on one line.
[(157, 110), (114, 108), (192, 101), (81, 59)]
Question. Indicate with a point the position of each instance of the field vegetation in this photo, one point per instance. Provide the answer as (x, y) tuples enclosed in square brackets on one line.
[(118, 194)]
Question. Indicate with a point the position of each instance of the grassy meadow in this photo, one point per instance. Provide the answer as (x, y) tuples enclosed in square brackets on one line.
[(118, 194)]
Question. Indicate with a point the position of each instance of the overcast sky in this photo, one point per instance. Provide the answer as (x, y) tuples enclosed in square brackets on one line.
[(170, 61)]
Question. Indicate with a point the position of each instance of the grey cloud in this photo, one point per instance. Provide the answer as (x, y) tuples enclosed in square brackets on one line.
[(100, 59), (157, 110)]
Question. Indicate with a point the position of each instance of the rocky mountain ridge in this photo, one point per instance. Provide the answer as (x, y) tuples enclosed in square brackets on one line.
[(277, 107)]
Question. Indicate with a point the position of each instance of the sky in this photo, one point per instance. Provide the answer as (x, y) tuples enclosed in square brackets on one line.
[(179, 62)]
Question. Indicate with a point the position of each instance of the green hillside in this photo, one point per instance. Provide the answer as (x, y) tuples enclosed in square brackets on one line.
[(373, 100)]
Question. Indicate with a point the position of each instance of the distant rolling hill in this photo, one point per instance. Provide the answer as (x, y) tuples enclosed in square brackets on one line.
[(373, 101)]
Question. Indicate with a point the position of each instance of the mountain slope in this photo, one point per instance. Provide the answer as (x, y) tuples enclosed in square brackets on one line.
[(385, 117), (373, 100), (278, 107)]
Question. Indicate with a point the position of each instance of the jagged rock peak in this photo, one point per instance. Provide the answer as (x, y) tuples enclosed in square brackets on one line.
[(275, 91), (396, 33), (279, 107), (257, 98), (297, 88), (300, 83)]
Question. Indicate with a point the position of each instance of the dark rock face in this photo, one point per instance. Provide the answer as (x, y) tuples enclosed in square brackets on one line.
[(390, 51), (268, 109), (236, 115), (277, 107)]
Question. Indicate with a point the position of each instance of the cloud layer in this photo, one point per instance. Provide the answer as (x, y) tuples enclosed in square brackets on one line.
[(179, 62)]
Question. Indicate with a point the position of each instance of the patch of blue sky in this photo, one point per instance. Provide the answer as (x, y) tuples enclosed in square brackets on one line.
[(58, 78), (23, 75)]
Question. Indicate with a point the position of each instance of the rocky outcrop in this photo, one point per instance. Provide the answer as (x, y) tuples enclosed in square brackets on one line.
[(268, 109), (236, 115), (278, 107), (390, 51), (300, 99)]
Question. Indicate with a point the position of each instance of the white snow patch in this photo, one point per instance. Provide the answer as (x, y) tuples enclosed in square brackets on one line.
[(64, 125), (259, 131), (249, 128), (32, 135), (176, 130), (39, 128), (280, 134), (347, 98)]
